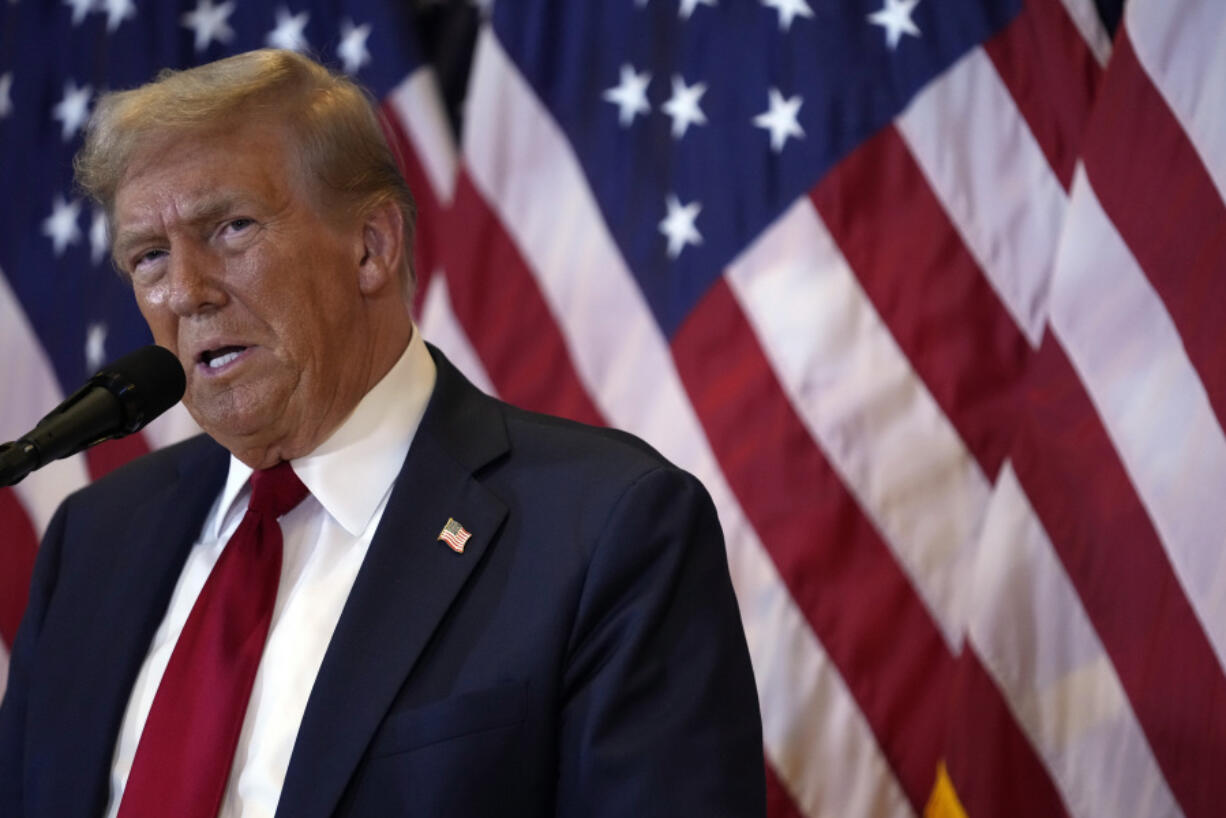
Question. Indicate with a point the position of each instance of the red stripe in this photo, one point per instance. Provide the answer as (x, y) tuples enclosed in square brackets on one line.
[(509, 325), (840, 573), (112, 454), (779, 803), (1179, 243), (18, 546), (1053, 77), (993, 765), (430, 212), (938, 305), (1114, 557)]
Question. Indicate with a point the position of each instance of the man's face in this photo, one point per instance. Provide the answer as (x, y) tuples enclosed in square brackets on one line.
[(239, 273)]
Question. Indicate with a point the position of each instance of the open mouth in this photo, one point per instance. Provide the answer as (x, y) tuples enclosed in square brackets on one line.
[(215, 359)]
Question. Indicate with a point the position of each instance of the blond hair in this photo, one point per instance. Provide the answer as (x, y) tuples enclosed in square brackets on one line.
[(331, 121)]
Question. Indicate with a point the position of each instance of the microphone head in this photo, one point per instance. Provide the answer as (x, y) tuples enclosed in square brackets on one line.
[(147, 382)]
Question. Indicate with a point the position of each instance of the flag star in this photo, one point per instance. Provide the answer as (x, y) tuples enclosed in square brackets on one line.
[(678, 225), (99, 237), (6, 98), (80, 8), (289, 31), (895, 18), (73, 110), (117, 11), (95, 345), (780, 120), (61, 226), (353, 46), (688, 6), (630, 95), (682, 106), (210, 23), (788, 9)]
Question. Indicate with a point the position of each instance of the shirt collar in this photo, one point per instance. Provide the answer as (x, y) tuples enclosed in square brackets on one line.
[(352, 471)]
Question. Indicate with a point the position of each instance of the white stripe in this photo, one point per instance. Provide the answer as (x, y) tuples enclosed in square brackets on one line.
[(526, 170), (1037, 642), (985, 166), (440, 327), (420, 110), (873, 417), (1182, 46), (31, 392), (4, 668), (1130, 357), (1085, 18)]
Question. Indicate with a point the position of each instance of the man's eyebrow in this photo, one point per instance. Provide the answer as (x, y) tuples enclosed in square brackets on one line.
[(213, 208)]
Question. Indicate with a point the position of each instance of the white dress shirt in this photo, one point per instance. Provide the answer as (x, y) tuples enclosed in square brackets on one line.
[(325, 539)]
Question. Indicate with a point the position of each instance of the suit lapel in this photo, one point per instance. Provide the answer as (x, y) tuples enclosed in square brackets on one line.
[(123, 615), (404, 589)]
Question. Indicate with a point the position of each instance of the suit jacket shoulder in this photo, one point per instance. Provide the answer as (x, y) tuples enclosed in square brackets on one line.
[(584, 651)]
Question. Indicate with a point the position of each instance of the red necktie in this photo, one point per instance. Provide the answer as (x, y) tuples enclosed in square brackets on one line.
[(187, 747)]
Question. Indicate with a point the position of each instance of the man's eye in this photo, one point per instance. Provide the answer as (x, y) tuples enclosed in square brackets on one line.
[(146, 258), (238, 225)]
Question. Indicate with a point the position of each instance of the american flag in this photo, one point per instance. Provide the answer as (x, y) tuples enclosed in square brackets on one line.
[(930, 295), (455, 535)]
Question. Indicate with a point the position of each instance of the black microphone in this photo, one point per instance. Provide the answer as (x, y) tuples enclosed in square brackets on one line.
[(119, 399)]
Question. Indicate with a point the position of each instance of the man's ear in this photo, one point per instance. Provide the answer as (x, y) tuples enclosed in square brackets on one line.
[(382, 249)]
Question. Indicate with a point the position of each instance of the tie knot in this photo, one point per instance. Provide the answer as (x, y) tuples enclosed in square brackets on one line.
[(275, 491)]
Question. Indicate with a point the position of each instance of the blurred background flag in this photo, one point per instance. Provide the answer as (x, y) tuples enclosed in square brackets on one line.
[(927, 293)]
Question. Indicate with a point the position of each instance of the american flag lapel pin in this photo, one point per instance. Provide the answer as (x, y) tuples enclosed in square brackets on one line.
[(455, 535)]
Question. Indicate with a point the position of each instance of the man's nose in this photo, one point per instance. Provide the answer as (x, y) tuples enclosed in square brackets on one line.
[(195, 282)]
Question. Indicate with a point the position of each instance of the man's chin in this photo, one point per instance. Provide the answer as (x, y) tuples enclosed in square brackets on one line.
[(237, 428)]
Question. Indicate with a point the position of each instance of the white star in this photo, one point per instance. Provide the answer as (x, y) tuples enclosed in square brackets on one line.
[(678, 225), (61, 226), (788, 9), (99, 237), (289, 31), (210, 23), (895, 18), (117, 11), (353, 46), (80, 8), (682, 106), (688, 6), (630, 95), (73, 110), (6, 99), (780, 120), (484, 7), (95, 346)]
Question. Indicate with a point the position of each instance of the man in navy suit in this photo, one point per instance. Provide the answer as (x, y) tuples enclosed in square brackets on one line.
[(478, 610)]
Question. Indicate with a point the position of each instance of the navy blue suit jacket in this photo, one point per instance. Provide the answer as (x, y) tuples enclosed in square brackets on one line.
[(583, 656)]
